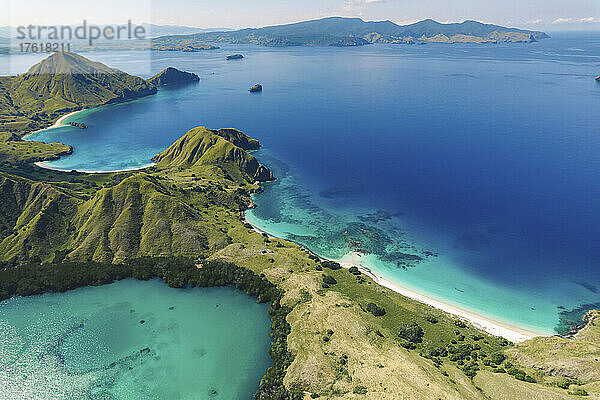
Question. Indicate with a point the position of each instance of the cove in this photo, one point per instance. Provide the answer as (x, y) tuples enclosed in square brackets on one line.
[(133, 340)]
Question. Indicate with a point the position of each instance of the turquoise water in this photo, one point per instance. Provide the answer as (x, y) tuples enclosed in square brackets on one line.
[(90, 343), (466, 172)]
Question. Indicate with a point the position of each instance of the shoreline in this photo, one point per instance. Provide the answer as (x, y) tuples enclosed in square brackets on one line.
[(41, 165), (57, 124), (506, 330)]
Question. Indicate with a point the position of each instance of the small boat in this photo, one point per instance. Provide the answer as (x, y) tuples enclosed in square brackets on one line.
[(235, 57), (256, 88)]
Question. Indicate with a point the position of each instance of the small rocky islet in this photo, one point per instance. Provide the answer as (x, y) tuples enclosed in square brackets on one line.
[(79, 125), (256, 88)]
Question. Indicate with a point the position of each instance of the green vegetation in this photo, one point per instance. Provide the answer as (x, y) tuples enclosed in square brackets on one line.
[(202, 146), (61, 83), (173, 76), (375, 310), (412, 332)]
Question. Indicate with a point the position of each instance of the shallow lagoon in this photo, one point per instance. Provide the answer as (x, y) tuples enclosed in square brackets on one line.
[(133, 340)]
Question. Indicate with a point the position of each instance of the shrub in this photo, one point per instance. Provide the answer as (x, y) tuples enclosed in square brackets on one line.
[(460, 324), (497, 358), (517, 373), (438, 352), (329, 280), (432, 319), (565, 383), (530, 379), (331, 265), (412, 332), (375, 310), (359, 390), (407, 344), (578, 392), (354, 271)]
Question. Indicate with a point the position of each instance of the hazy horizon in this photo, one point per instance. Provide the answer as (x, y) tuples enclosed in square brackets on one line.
[(548, 15)]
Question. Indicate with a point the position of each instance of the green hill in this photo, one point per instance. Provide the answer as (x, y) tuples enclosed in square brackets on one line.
[(173, 76), (60, 83), (170, 209), (201, 147)]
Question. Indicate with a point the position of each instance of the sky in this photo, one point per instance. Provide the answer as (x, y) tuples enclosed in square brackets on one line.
[(548, 15)]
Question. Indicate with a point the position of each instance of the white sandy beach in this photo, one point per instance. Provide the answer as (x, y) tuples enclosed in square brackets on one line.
[(496, 328), (59, 122), (42, 164)]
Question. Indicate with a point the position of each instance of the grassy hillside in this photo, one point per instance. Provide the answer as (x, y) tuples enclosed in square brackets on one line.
[(60, 83), (175, 208), (574, 363), (201, 147), (172, 76)]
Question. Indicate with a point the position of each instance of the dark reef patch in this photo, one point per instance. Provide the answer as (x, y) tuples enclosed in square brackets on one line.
[(570, 321)]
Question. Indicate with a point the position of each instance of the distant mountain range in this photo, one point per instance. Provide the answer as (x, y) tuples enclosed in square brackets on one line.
[(162, 30), (152, 30), (339, 31)]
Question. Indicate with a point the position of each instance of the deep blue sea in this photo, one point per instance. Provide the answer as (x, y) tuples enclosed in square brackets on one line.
[(468, 172)]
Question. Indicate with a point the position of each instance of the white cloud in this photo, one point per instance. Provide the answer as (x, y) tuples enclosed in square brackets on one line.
[(589, 19), (562, 20), (535, 22), (357, 5)]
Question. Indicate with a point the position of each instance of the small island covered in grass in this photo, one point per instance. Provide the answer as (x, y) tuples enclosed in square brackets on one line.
[(173, 76)]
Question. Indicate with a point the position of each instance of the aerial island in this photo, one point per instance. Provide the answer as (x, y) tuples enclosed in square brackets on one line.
[(173, 76), (336, 333), (343, 32)]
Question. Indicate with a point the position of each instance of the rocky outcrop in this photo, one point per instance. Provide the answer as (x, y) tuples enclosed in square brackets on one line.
[(173, 76)]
